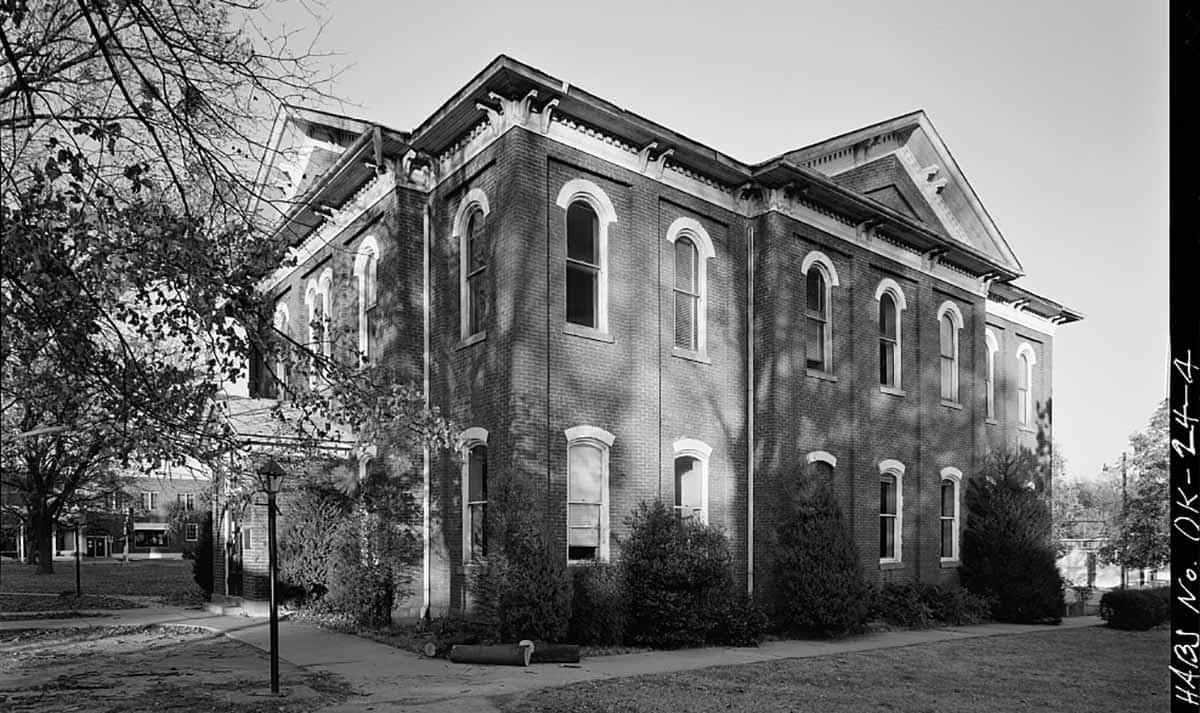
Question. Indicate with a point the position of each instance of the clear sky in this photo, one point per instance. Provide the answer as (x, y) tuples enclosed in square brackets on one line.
[(1056, 112)]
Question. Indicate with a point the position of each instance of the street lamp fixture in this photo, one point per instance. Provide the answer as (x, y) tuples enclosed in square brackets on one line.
[(271, 477), (75, 519)]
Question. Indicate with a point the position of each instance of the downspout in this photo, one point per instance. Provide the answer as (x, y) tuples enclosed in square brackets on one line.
[(750, 411), (426, 589)]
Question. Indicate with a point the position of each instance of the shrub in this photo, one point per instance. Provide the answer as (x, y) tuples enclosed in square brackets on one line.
[(1136, 609), (598, 606), (525, 591), (202, 565), (957, 606), (678, 580), (819, 585), (903, 605), (741, 622), (315, 530), (360, 594), (918, 605), (1006, 552)]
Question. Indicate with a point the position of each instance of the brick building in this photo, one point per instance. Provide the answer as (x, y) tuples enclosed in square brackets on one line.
[(612, 312)]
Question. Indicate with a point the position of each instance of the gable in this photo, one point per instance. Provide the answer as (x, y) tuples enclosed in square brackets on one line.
[(922, 172), (886, 181)]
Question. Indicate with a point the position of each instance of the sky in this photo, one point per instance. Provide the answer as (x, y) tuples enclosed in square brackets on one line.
[(1055, 111)]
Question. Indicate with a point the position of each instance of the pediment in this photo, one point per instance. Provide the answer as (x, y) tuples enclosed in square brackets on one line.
[(903, 164)]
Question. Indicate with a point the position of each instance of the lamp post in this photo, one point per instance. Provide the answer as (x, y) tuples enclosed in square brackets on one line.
[(73, 518), (271, 475)]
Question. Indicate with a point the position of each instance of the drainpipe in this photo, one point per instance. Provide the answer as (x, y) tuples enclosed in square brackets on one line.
[(750, 411), (426, 581)]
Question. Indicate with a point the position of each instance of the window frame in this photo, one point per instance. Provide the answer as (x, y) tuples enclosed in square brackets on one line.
[(993, 348), (1026, 360), (702, 452), (581, 189), (468, 440), (366, 274), (894, 470), (950, 311), (601, 439), (952, 475), (191, 532), (819, 261), (149, 500), (475, 202), (318, 289), (889, 287), (281, 321), (687, 228)]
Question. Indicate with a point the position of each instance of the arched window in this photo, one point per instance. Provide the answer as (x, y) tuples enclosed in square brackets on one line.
[(316, 299), (820, 276), (282, 324), (891, 510), (470, 230), (950, 483), (473, 448), (366, 266), (476, 273), (589, 213), (1026, 358), (587, 493), (891, 304), (583, 265), (693, 248), (687, 294), (691, 479), (993, 346), (950, 321), (817, 312)]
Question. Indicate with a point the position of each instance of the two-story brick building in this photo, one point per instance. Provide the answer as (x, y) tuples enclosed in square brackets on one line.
[(612, 312)]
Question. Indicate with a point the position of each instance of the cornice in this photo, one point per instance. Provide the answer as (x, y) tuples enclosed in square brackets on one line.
[(1016, 314), (341, 218)]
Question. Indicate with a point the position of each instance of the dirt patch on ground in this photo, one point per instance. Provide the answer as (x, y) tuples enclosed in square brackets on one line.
[(118, 669)]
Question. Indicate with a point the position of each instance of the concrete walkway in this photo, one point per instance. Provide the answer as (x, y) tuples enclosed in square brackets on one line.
[(389, 679)]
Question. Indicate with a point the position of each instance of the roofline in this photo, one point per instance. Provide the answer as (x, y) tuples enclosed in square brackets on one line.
[(910, 118)]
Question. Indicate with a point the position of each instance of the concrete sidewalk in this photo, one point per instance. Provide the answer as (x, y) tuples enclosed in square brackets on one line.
[(389, 679)]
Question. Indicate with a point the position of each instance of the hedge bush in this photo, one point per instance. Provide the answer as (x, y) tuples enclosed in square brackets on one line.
[(678, 581), (524, 592), (598, 606), (819, 584), (918, 605), (316, 531), (359, 594), (1136, 609), (1007, 556)]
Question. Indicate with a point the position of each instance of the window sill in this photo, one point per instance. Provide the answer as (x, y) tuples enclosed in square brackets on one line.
[(890, 564), (700, 357), (473, 339), (990, 421), (949, 563), (592, 333), (892, 391), (1026, 429), (822, 375), (952, 404)]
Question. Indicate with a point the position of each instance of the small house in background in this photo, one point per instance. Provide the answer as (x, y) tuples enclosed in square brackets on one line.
[(155, 515)]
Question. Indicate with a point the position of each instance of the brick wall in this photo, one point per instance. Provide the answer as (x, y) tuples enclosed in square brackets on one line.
[(528, 380)]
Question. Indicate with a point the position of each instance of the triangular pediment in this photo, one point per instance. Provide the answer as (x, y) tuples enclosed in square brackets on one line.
[(903, 164)]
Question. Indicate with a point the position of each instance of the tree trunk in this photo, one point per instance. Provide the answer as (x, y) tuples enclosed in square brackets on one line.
[(43, 539)]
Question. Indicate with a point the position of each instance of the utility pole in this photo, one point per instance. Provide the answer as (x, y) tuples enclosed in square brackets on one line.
[(1124, 515)]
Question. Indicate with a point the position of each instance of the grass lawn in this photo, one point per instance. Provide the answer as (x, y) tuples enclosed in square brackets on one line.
[(1092, 670), (168, 581)]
